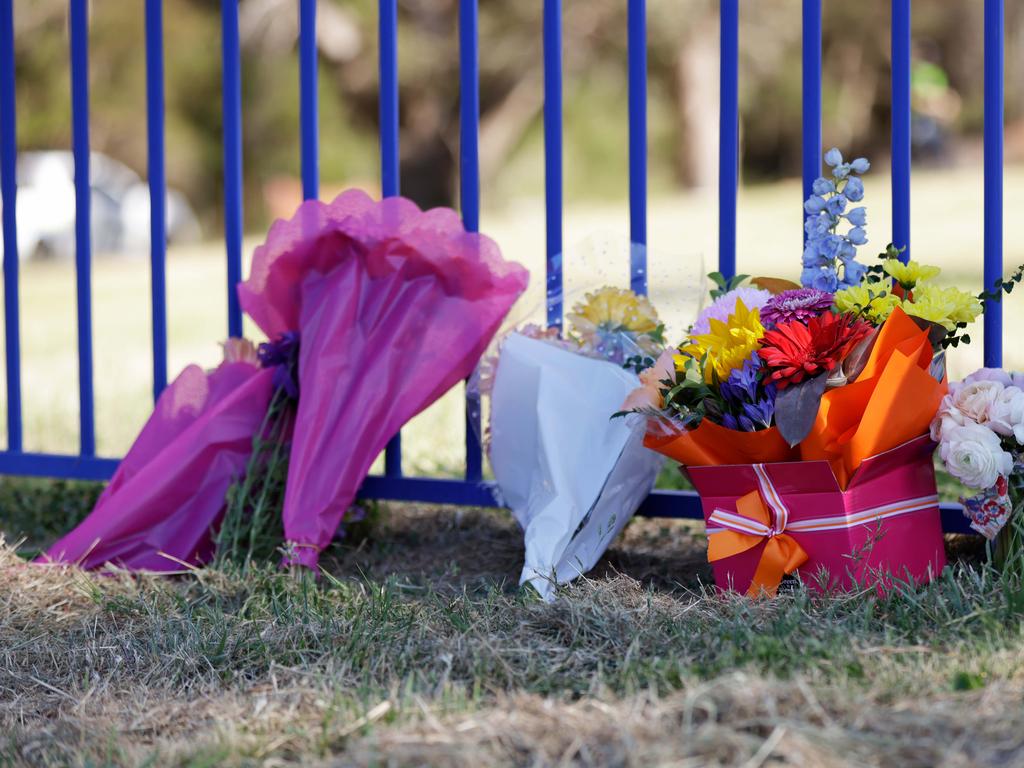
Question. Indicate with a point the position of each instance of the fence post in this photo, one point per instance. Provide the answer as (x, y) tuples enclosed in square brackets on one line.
[(637, 64), (901, 126), (8, 201), (231, 95), (469, 174), (79, 22), (729, 135), (390, 173), (553, 159), (157, 189), (309, 113), (993, 205), (811, 113)]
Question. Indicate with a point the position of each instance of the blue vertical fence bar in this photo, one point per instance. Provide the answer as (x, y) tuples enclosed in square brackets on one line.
[(8, 202), (993, 177), (553, 159), (390, 176), (231, 96), (389, 147), (637, 64), (811, 136), (469, 184), (79, 24), (901, 125), (308, 100), (728, 135), (469, 115), (157, 189)]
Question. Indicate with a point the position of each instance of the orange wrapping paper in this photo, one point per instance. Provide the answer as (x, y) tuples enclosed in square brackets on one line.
[(892, 401), (711, 444)]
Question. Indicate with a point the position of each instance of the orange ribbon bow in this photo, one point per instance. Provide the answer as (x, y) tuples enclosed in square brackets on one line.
[(760, 514)]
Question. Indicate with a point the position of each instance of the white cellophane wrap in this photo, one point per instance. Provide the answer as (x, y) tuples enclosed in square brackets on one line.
[(572, 476)]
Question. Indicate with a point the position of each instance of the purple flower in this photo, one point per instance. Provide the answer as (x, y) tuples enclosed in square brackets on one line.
[(723, 306), (750, 405), (797, 304), (282, 354), (741, 386), (758, 415)]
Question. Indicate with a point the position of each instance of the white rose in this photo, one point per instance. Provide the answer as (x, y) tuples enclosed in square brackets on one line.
[(974, 400), (974, 455), (947, 417), (1006, 415)]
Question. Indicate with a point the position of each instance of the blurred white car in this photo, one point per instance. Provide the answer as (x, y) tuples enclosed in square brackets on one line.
[(120, 208)]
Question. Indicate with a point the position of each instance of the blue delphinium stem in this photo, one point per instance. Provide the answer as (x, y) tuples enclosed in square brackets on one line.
[(826, 251)]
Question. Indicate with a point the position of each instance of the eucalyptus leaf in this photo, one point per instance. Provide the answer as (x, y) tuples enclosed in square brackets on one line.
[(796, 407)]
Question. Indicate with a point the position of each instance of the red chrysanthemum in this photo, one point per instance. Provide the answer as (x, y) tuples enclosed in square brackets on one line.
[(796, 350)]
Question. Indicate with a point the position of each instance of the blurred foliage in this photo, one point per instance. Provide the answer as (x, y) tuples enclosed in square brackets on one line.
[(683, 89)]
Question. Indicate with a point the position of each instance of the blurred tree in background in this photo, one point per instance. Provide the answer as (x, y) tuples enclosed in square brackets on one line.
[(683, 63)]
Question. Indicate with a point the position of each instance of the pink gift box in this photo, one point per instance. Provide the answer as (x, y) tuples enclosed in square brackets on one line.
[(884, 526)]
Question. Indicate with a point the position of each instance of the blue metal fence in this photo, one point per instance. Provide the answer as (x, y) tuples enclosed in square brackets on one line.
[(393, 484)]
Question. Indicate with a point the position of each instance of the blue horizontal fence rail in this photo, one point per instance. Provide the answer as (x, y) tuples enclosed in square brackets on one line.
[(393, 484)]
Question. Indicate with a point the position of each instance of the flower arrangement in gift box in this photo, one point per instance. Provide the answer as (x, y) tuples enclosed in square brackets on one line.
[(571, 477), (801, 412)]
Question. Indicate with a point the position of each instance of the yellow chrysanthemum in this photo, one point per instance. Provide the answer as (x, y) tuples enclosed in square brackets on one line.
[(613, 309), (945, 306), (876, 302), (727, 345), (910, 274)]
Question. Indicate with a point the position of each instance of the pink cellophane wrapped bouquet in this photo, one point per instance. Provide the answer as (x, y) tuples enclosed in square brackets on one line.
[(390, 306)]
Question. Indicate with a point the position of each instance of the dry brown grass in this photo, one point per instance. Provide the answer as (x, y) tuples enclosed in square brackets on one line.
[(420, 651), (733, 720)]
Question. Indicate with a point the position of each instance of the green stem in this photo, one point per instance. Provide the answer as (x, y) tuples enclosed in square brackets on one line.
[(246, 522), (269, 474)]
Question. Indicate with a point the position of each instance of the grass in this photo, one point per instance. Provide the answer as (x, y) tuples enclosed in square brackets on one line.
[(416, 648)]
